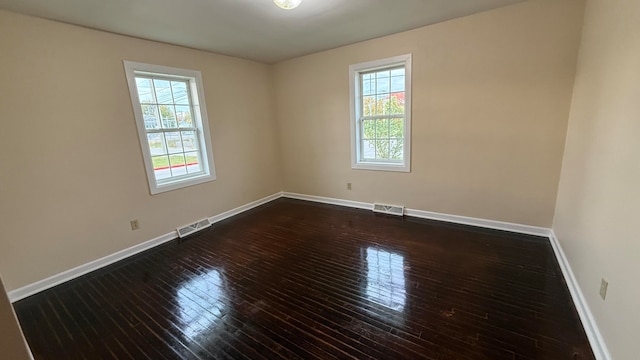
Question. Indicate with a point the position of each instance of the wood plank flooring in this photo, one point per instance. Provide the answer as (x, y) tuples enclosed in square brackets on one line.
[(299, 280)]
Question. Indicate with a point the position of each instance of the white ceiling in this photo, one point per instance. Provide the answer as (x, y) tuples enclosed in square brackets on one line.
[(253, 29)]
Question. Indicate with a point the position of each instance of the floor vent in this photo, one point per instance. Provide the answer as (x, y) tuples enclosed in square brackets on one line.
[(191, 228), (389, 209)]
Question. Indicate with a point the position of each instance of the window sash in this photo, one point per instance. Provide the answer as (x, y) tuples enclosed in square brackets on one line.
[(198, 149)]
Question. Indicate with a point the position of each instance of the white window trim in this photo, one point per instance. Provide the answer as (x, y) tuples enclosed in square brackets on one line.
[(354, 94), (199, 114)]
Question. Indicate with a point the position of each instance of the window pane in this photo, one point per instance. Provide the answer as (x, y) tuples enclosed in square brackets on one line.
[(367, 87), (382, 149), (396, 103), (174, 144), (189, 141), (382, 128), (193, 162), (368, 149), (163, 91), (382, 104), (180, 92), (397, 83), (383, 82), (161, 167), (145, 91), (151, 118), (156, 144), (177, 164), (183, 114), (396, 149), (368, 129), (369, 105), (168, 115), (160, 162), (396, 128), (397, 72)]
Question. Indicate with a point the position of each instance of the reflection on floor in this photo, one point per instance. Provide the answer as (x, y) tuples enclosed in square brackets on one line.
[(201, 314), (385, 279)]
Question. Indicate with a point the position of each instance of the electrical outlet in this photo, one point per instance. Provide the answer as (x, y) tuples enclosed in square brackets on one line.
[(348, 186), (135, 225), (604, 284)]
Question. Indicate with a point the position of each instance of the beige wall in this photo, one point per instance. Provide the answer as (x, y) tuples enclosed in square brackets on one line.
[(72, 171), (599, 198), (12, 342), (491, 95)]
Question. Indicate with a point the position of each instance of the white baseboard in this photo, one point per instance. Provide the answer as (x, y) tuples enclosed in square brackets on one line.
[(588, 321), (243, 208), (491, 224), (483, 223), (326, 200), (44, 284)]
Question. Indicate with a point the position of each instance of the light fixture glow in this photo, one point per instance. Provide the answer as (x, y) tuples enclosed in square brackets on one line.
[(287, 4)]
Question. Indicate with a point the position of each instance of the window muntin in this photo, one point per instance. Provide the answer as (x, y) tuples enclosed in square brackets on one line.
[(171, 118), (380, 102)]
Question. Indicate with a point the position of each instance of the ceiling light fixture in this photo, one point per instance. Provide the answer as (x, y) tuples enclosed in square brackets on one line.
[(287, 4)]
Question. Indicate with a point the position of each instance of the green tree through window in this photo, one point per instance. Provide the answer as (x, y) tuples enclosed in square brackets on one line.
[(385, 135)]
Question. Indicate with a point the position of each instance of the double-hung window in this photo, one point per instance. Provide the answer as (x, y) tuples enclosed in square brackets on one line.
[(172, 123), (381, 114)]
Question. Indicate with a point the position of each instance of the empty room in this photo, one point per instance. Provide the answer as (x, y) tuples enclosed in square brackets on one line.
[(297, 179)]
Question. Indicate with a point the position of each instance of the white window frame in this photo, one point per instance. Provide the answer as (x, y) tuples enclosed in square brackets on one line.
[(199, 113), (357, 162)]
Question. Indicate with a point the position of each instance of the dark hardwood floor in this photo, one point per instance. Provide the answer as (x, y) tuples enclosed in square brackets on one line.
[(294, 279)]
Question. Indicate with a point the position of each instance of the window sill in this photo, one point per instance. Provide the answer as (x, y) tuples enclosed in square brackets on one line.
[(174, 185), (379, 166)]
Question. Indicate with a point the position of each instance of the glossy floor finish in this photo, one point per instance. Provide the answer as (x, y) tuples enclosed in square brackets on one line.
[(293, 279)]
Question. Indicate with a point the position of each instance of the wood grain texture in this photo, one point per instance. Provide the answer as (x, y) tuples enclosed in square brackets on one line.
[(293, 279)]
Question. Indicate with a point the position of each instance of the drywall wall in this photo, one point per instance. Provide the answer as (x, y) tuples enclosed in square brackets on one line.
[(599, 199), (12, 341), (72, 171), (491, 96)]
